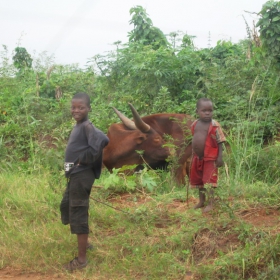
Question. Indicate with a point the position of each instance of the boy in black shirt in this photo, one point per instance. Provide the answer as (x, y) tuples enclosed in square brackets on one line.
[(83, 162)]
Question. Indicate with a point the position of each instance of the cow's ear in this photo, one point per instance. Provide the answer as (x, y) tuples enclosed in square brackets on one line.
[(141, 139)]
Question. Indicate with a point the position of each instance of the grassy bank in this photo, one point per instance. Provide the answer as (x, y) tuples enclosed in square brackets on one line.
[(160, 236)]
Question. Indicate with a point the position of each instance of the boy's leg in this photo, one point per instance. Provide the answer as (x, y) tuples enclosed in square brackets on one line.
[(201, 194), (210, 176), (196, 179), (80, 189), (210, 205), (64, 206), (82, 247)]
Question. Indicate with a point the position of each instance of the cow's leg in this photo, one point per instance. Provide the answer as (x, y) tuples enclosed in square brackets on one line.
[(184, 165), (202, 196), (180, 174)]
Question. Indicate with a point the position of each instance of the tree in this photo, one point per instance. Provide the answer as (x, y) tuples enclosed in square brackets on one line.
[(22, 59), (144, 32), (269, 25)]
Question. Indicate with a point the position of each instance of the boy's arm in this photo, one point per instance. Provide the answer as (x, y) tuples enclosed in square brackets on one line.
[(219, 160), (97, 140), (220, 140)]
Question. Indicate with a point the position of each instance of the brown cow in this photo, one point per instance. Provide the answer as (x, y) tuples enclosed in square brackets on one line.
[(150, 134)]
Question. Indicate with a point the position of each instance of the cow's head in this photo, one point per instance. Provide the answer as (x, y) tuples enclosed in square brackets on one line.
[(128, 137)]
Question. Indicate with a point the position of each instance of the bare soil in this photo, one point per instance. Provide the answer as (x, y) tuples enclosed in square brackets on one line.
[(18, 274)]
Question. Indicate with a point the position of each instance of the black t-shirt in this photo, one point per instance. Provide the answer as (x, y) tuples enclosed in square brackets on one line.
[(85, 146)]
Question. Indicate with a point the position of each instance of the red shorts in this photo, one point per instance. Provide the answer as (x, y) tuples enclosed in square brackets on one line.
[(203, 172)]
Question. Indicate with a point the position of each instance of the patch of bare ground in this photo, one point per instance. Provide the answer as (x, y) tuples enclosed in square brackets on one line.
[(267, 218), (129, 200), (178, 205), (19, 274), (208, 243)]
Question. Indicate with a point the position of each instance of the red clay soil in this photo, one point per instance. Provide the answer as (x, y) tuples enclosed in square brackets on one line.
[(17, 274), (128, 200), (262, 217)]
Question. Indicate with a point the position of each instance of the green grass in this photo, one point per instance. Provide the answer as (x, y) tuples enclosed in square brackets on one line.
[(161, 237)]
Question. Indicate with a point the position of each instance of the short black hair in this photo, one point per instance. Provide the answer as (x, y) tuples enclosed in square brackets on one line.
[(200, 100), (84, 96)]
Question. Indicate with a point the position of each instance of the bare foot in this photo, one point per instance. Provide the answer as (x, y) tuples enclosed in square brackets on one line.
[(198, 205), (208, 208), (202, 197)]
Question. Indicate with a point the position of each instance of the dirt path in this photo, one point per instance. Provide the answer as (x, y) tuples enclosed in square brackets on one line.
[(18, 274)]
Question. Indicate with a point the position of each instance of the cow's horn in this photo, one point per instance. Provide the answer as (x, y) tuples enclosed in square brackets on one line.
[(140, 124), (126, 121)]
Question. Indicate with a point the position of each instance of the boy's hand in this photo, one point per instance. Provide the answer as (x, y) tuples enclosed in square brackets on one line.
[(219, 162)]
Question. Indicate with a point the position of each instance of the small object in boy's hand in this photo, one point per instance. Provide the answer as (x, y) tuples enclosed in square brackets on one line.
[(68, 166)]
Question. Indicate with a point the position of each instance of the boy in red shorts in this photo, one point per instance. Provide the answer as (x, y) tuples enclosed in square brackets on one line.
[(207, 152)]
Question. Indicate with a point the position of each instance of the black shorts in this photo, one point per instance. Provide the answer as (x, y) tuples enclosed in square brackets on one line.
[(75, 202)]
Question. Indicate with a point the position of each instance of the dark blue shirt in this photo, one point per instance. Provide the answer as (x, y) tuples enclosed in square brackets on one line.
[(85, 147)]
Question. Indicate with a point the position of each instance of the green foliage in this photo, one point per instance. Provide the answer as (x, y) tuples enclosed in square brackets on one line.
[(60, 80), (270, 29), (119, 182), (138, 74), (225, 49), (22, 60), (168, 78), (144, 32)]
